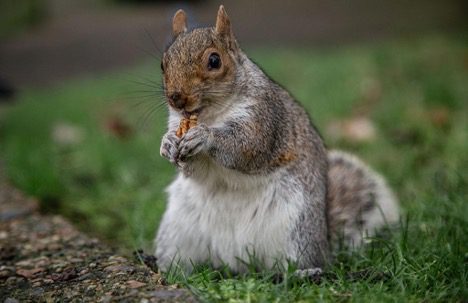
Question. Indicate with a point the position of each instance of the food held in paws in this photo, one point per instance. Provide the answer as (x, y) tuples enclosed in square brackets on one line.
[(186, 124)]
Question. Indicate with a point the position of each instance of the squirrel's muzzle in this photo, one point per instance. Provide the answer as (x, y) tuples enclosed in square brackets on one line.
[(177, 100)]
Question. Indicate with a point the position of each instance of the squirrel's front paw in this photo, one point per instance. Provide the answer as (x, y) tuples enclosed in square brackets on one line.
[(169, 145), (197, 139)]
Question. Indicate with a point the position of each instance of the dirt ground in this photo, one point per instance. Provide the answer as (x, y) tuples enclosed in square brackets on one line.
[(84, 37), (43, 258)]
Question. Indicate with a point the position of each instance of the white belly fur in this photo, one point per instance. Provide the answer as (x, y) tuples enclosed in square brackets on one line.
[(212, 219)]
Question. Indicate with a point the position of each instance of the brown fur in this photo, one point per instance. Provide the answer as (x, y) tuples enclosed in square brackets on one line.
[(285, 158), (179, 23), (250, 128), (195, 82)]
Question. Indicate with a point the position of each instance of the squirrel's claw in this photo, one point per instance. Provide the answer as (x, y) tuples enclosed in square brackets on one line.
[(169, 147), (193, 142)]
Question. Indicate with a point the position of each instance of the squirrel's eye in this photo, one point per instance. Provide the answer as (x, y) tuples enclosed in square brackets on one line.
[(214, 61), (162, 66)]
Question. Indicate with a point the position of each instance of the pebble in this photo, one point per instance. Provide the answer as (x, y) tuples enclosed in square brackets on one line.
[(12, 280), (107, 298), (117, 258), (76, 260), (119, 268), (6, 271), (91, 290), (91, 287), (28, 273), (45, 266), (135, 284), (36, 292), (42, 261), (24, 263)]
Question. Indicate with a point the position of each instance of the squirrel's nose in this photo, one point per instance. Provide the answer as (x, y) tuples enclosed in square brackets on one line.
[(177, 100)]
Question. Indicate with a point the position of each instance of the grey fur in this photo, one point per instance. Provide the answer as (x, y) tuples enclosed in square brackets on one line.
[(272, 138)]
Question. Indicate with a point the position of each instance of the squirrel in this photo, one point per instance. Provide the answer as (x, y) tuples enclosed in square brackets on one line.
[(255, 178)]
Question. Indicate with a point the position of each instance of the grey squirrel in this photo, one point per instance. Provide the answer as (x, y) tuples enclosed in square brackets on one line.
[(255, 178)]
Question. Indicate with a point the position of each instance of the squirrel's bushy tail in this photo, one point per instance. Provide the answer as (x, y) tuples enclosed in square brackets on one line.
[(359, 200)]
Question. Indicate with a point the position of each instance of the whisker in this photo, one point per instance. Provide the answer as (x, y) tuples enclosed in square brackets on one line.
[(155, 57), (146, 102), (148, 83), (149, 114), (142, 121), (155, 92), (153, 41), (152, 80)]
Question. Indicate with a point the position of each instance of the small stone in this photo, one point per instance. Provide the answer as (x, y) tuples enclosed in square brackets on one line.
[(92, 265), (10, 300), (42, 262), (91, 287), (135, 284), (54, 246), (8, 252), (118, 259), (119, 268), (6, 271), (76, 260), (28, 273), (68, 274), (24, 263), (37, 292)]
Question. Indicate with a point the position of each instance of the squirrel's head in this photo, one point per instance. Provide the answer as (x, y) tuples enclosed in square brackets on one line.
[(199, 67)]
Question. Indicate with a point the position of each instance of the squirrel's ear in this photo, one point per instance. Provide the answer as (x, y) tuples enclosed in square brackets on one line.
[(179, 23), (223, 25)]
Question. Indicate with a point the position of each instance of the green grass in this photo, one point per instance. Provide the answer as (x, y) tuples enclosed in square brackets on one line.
[(414, 91)]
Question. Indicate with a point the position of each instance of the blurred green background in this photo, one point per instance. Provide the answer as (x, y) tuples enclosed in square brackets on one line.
[(81, 117)]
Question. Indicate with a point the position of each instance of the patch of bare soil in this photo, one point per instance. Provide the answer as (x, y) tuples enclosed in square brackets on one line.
[(45, 259)]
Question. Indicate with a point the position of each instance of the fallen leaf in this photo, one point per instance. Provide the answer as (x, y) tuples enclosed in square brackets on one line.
[(67, 134), (118, 127), (358, 129), (439, 117)]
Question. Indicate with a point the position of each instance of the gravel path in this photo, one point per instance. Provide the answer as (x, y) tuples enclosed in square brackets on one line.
[(43, 258)]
